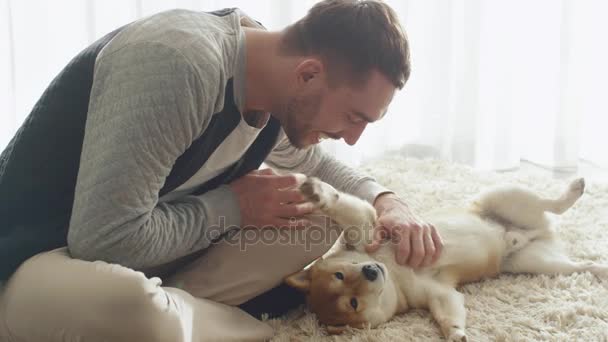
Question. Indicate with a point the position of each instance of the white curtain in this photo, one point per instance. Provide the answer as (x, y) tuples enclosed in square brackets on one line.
[(493, 82)]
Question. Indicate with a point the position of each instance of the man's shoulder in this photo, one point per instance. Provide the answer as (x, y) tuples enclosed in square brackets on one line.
[(200, 37)]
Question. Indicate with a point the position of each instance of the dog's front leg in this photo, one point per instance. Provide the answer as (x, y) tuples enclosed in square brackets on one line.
[(355, 216), (447, 306)]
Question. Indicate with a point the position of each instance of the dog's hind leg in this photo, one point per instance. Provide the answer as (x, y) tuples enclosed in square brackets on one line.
[(567, 199), (520, 207), (544, 257)]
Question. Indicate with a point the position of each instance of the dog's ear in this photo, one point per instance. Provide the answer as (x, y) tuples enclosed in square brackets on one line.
[(335, 329), (300, 280)]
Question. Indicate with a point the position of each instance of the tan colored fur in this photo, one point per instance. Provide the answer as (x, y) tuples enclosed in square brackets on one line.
[(505, 229)]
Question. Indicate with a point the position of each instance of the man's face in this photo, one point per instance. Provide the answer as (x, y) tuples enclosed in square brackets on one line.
[(317, 111)]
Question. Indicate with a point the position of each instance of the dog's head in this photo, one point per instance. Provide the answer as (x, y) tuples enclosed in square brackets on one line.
[(347, 291)]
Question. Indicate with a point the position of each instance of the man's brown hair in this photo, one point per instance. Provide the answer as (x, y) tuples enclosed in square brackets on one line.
[(352, 37)]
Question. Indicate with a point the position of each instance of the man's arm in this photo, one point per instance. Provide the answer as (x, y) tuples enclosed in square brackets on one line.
[(419, 243), (147, 106)]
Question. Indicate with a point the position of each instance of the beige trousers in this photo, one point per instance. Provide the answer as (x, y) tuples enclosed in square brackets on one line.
[(53, 297)]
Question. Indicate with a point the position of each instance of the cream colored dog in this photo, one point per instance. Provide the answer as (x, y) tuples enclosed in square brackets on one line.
[(506, 229)]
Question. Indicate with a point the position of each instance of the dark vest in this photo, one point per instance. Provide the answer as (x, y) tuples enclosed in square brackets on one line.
[(38, 168)]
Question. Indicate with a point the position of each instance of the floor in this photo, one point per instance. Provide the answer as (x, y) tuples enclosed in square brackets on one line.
[(584, 169), (510, 307)]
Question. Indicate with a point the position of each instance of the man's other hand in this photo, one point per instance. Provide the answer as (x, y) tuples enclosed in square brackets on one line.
[(267, 199)]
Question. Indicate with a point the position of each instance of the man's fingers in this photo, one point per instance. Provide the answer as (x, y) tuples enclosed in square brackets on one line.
[(404, 246), (417, 248), (297, 223), (438, 242), (377, 238), (372, 247), (266, 172), (429, 248), (298, 209), (290, 196), (287, 181)]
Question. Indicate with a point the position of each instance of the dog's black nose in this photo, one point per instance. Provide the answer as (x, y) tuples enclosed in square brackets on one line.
[(370, 272)]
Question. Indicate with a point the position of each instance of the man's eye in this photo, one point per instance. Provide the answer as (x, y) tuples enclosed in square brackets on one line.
[(354, 303), (339, 275)]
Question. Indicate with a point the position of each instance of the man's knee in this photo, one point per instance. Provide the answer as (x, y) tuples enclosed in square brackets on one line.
[(147, 311), (87, 301), (252, 262)]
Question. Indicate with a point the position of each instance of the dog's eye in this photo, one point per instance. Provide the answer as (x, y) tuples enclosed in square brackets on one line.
[(354, 303), (339, 275)]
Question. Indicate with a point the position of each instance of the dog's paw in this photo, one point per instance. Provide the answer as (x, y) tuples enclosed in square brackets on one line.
[(320, 193), (457, 335), (577, 187)]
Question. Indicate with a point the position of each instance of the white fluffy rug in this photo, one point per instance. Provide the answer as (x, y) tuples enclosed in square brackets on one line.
[(512, 307)]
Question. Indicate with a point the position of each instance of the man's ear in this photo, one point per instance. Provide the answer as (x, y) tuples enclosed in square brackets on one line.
[(300, 280), (308, 70)]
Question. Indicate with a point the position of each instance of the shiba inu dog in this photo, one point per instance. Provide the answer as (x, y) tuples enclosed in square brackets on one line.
[(505, 229)]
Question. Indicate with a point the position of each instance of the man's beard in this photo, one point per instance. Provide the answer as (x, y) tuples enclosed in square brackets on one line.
[(299, 114)]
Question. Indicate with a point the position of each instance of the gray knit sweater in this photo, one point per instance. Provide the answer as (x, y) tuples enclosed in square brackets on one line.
[(156, 86)]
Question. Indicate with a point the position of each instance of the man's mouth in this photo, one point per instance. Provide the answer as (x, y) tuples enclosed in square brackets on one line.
[(322, 136)]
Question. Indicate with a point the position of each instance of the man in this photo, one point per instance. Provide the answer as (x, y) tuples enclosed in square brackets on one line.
[(180, 110)]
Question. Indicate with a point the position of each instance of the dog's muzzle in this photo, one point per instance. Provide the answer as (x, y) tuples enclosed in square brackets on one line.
[(370, 272)]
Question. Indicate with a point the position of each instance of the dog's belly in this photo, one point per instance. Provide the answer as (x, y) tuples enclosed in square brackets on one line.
[(473, 247)]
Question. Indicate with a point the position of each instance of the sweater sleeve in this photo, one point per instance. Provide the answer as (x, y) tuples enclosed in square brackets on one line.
[(316, 162), (148, 104)]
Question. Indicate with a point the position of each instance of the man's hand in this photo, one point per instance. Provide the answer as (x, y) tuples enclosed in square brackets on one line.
[(418, 243), (267, 199)]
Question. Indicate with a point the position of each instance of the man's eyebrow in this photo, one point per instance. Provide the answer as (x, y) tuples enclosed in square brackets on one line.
[(367, 117)]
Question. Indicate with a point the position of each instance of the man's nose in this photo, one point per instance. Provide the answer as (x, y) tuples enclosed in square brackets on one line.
[(352, 135), (370, 272)]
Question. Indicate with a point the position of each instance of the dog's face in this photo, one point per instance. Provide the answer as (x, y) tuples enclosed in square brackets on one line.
[(343, 292)]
